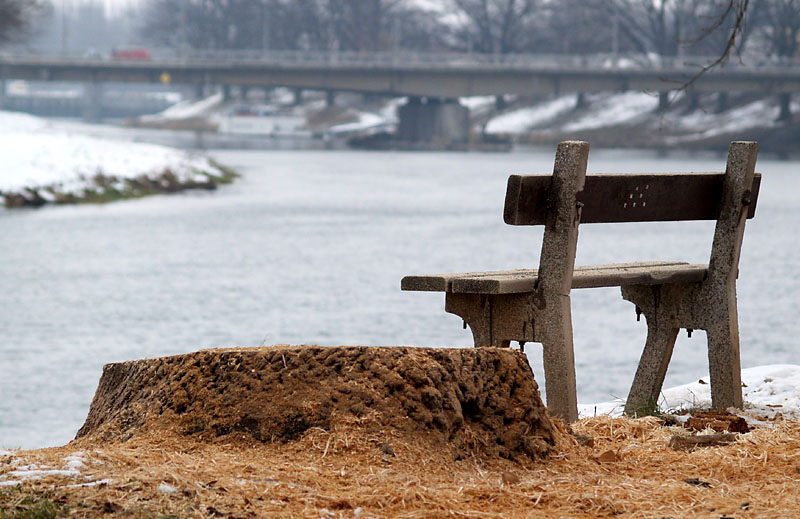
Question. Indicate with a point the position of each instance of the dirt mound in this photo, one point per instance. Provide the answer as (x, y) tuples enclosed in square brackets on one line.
[(469, 399)]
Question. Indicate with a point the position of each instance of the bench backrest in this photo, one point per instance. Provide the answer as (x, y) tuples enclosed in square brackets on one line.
[(610, 198), (568, 197)]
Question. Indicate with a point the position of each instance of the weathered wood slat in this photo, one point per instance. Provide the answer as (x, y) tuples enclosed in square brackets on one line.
[(626, 198), (639, 276), (441, 282), (524, 280)]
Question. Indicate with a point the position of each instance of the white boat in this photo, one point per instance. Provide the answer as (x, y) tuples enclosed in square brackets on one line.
[(263, 121)]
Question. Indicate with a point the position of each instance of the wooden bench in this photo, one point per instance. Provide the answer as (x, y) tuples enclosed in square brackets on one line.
[(534, 305)]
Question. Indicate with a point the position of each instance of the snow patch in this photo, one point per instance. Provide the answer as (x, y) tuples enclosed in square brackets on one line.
[(167, 489), (26, 473), (477, 103), (776, 386), (366, 121), (18, 122), (767, 390), (755, 114), (72, 469), (76, 461), (518, 121), (188, 109), (35, 155), (389, 110), (614, 110)]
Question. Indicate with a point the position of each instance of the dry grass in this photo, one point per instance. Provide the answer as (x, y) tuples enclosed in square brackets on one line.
[(629, 471)]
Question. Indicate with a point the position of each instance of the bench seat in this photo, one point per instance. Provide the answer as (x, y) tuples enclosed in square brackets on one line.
[(524, 280)]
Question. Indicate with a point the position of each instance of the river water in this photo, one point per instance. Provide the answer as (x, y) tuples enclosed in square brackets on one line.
[(309, 247)]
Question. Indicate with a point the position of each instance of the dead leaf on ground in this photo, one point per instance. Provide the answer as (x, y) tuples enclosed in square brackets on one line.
[(718, 420), (680, 442), (608, 457), (509, 478)]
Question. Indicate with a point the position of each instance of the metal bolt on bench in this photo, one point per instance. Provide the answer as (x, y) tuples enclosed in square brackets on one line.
[(533, 305)]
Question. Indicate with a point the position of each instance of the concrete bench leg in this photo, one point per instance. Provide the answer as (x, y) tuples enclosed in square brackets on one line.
[(723, 354), (477, 312), (555, 334), (643, 397), (668, 308), (658, 304)]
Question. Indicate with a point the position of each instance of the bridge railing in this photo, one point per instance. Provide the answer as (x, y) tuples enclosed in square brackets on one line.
[(610, 62), (421, 59)]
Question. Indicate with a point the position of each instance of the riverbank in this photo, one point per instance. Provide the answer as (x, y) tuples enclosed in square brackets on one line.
[(43, 164), (634, 120)]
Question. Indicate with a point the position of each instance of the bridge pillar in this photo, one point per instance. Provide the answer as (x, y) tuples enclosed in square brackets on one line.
[(243, 91), (298, 96), (433, 121), (199, 91), (226, 92), (580, 101), (93, 101), (2, 93), (663, 101), (330, 98), (785, 114)]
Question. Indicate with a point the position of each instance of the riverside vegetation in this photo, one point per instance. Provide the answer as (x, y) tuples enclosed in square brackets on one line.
[(102, 188)]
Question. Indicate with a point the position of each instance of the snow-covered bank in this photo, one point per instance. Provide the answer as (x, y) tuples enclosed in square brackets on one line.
[(42, 164), (633, 119), (187, 109), (767, 391)]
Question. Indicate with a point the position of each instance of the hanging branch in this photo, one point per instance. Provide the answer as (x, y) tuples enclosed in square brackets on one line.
[(737, 9)]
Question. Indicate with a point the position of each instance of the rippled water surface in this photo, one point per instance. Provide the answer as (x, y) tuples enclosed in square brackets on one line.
[(309, 247)]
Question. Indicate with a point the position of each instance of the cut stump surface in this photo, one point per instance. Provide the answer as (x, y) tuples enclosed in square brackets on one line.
[(477, 400)]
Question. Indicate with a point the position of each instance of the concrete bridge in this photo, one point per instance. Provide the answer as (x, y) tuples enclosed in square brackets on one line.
[(433, 82)]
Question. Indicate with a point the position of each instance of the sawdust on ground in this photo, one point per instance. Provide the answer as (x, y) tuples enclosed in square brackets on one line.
[(627, 469)]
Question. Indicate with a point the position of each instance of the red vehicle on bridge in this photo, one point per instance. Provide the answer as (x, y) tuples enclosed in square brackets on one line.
[(131, 53)]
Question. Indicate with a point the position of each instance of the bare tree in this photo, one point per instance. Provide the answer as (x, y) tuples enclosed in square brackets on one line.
[(204, 24), (359, 24), (653, 26), (710, 34), (778, 29), (299, 25), (732, 21), (575, 27), (352, 25), (16, 16), (778, 25), (497, 26), (356, 25)]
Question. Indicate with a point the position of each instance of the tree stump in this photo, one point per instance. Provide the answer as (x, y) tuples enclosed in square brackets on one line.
[(482, 399)]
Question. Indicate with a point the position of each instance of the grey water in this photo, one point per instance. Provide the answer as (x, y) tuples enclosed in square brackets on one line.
[(308, 247)]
